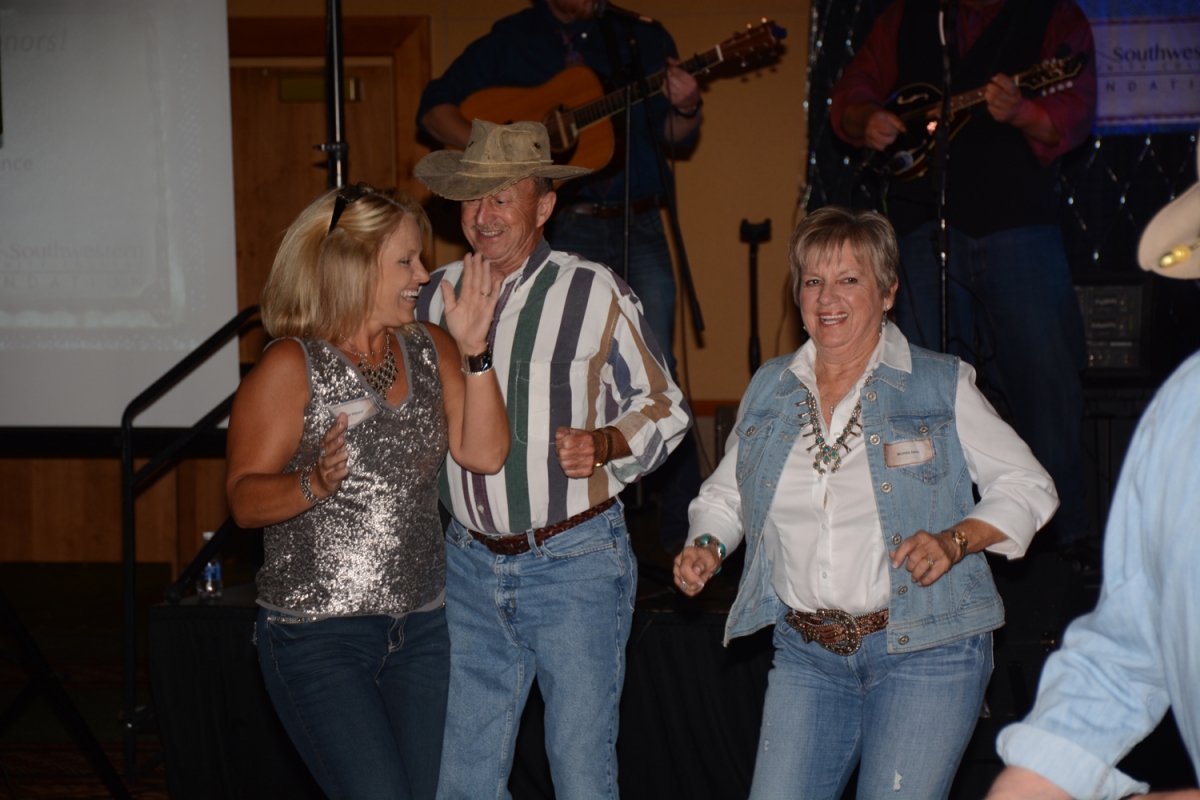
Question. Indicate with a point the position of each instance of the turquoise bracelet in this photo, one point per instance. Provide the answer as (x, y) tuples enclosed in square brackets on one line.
[(705, 541)]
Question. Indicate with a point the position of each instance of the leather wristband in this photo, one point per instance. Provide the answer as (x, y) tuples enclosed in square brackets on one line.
[(477, 364), (608, 447)]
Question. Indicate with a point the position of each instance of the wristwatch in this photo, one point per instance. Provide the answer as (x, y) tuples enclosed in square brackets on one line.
[(709, 539), (477, 364), (960, 539)]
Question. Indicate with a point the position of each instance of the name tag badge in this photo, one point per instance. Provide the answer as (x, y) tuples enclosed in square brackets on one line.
[(905, 454), (356, 411)]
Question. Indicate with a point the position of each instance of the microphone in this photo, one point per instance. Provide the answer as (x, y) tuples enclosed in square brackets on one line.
[(1179, 254), (603, 8)]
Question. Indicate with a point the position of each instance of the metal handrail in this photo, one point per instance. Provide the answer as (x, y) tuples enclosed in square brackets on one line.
[(132, 481)]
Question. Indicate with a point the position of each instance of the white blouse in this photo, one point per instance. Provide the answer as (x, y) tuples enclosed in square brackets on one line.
[(822, 532)]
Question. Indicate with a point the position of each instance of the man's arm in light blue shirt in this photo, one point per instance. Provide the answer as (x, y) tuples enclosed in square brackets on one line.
[(1121, 666)]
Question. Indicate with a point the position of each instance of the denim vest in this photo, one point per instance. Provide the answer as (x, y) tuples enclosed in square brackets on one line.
[(896, 407)]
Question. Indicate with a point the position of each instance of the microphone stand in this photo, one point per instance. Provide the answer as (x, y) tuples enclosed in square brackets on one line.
[(638, 72), (947, 21), (752, 235), (335, 106), (628, 216)]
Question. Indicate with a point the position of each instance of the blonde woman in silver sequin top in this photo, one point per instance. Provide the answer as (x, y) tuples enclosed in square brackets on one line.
[(336, 441)]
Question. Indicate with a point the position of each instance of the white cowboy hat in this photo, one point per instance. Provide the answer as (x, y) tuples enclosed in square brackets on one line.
[(1170, 244)]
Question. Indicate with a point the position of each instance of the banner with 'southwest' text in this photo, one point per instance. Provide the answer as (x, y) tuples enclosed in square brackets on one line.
[(1147, 66)]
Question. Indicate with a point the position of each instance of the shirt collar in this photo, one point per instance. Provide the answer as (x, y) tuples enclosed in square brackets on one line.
[(892, 351), (534, 262)]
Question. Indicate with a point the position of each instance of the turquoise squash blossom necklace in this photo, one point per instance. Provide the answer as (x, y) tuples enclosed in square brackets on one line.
[(827, 457)]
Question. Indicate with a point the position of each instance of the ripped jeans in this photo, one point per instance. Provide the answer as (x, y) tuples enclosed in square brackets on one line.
[(908, 717)]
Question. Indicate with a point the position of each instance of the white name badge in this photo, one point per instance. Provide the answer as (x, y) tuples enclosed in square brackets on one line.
[(905, 454), (356, 411)]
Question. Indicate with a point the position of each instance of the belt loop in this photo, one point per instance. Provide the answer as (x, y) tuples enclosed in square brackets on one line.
[(533, 545)]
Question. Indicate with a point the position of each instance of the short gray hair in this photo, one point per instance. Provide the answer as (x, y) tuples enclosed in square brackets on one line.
[(820, 235)]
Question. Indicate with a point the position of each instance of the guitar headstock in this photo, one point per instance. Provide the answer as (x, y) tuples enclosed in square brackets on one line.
[(1053, 75), (756, 42)]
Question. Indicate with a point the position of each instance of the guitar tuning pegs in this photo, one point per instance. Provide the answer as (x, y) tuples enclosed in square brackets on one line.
[(1070, 84)]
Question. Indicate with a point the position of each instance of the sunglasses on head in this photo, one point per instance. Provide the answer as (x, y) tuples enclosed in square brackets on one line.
[(345, 196)]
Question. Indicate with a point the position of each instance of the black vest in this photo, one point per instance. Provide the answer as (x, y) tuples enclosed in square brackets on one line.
[(995, 182)]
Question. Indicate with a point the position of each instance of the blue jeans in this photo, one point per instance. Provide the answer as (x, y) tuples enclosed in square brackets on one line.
[(560, 611), (908, 717), (1013, 314), (651, 275), (362, 698)]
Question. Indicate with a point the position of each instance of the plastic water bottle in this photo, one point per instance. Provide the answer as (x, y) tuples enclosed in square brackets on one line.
[(209, 585)]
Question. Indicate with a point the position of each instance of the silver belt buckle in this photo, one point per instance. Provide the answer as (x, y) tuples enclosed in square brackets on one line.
[(853, 634)]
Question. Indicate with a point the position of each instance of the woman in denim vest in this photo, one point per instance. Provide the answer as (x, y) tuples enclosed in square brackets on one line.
[(851, 482)]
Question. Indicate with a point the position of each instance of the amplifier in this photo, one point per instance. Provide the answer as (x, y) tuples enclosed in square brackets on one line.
[(1115, 309)]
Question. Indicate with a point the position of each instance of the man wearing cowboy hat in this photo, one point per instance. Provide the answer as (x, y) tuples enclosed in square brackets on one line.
[(1138, 652), (540, 576)]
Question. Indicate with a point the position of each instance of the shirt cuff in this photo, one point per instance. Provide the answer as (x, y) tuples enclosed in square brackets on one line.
[(1073, 769), (1015, 527)]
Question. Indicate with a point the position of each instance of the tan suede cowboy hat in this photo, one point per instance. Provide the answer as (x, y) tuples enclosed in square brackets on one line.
[(497, 156), (1170, 245)]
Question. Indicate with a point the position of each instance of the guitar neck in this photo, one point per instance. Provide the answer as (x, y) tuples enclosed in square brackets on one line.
[(614, 102), (966, 100)]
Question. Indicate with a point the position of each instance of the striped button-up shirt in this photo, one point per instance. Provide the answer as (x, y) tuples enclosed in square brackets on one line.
[(570, 348)]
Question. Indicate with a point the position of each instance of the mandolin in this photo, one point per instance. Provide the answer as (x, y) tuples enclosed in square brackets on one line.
[(908, 156), (576, 111)]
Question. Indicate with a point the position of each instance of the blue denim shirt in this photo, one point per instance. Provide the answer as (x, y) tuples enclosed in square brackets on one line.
[(1139, 650), (896, 406)]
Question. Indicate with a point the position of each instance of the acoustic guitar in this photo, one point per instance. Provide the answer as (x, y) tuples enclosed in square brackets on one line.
[(576, 111), (919, 105)]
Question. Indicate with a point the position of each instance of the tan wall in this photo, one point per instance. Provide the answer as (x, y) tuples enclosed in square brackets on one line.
[(749, 163)]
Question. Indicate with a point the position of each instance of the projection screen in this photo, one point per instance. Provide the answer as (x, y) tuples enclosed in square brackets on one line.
[(117, 248)]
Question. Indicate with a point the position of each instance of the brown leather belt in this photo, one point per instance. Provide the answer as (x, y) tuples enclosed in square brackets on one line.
[(837, 631), (519, 543), (603, 211)]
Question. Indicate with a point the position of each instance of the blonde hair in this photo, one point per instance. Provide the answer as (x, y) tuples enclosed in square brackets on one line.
[(322, 284), (820, 236)]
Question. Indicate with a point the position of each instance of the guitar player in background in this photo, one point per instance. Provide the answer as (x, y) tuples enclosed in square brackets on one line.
[(531, 47), (1011, 306)]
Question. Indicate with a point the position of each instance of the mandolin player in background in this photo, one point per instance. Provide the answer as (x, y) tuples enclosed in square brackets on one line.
[(1012, 310), (529, 48)]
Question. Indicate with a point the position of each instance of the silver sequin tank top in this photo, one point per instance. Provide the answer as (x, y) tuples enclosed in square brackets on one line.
[(375, 547)]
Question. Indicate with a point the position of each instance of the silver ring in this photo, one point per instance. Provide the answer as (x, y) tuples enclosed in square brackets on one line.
[(930, 560), (486, 294), (682, 583), (322, 452)]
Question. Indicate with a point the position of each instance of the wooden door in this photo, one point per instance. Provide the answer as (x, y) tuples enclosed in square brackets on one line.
[(277, 96)]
